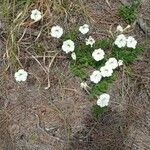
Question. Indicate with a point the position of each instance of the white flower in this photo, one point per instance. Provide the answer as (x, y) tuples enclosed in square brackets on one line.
[(106, 71), (103, 100), (73, 56), (90, 41), (131, 42), (121, 41), (68, 46), (84, 29), (96, 76), (21, 75), (98, 54), (112, 62), (56, 31), (120, 62), (36, 15), (83, 85), (119, 29)]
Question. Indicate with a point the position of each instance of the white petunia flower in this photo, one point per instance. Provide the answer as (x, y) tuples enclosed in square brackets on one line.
[(121, 41), (36, 15), (84, 29), (106, 71), (68, 46), (21, 75), (96, 76), (131, 42), (90, 41), (112, 62), (120, 62), (103, 100), (119, 29), (73, 56), (98, 54), (56, 31), (83, 85)]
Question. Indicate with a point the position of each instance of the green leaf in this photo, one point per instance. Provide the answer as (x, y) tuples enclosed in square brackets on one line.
[(97, 110)]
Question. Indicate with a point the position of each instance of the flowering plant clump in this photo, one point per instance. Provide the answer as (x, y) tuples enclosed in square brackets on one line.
[(91, 53), (105, 57)]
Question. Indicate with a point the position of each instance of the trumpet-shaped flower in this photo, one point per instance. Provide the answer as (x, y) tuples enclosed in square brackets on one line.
[(96, 76), (36, 15), (56, 31), (121, 41), (106, 71), (90, 41), (131, 42), (98, 54), (68, 46), (112, 62), (73, 56), (119, 29), (84, 29), (103, 100), (120, 62), (21, 75)]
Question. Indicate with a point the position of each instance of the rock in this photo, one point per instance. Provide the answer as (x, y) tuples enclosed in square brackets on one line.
[(126, 2), (144, 25), (143, 17)]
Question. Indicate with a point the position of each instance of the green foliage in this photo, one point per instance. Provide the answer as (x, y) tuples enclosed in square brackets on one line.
[(102, 86), (78, 71), (128, 55), (85, 61), (97, 111), (128, 13), (84, 58), (70, 35)]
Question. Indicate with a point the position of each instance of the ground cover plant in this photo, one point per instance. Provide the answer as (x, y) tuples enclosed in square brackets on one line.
[(88, 53)]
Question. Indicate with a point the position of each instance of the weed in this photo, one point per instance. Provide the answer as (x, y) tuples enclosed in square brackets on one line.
[(128, 13), (85, 61)]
